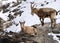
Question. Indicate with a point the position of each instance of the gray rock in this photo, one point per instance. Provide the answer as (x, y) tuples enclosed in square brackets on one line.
[(43, 34), (43, 37)]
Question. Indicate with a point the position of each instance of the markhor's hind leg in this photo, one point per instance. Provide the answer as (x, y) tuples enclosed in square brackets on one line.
[(54, 23), (42, 22)]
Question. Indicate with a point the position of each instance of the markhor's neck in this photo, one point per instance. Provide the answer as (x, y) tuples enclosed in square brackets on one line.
[(22, 27)]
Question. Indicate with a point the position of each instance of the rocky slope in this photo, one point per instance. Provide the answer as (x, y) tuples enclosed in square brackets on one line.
[(21, 37)]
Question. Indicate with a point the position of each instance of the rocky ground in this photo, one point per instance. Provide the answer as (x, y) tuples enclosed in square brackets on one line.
[(20, 37)]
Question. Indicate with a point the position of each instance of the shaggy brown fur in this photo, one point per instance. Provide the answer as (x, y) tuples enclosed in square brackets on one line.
[(28, 29), (45, 12)]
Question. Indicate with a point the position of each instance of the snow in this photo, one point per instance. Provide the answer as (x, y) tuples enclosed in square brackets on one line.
[(28, 18), (3, 16), (14, 28), (54, 36), (26, 15)]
